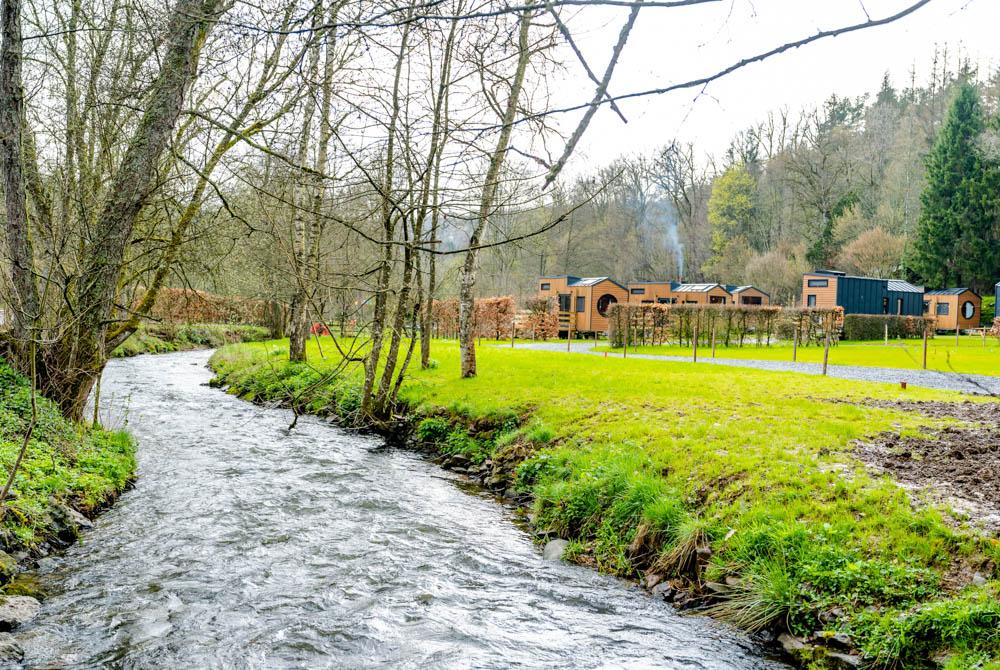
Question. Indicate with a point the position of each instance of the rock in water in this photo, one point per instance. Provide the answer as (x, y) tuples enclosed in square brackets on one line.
[(554, 550), (17, 610), (10, 650)]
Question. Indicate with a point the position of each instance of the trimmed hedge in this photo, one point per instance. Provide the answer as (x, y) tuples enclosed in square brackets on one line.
[(872, 326)]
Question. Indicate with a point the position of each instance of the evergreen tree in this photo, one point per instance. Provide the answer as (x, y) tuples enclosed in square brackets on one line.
[(957, 219)]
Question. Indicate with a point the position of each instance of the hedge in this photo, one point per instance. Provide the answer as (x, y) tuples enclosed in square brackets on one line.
[(873, 326)]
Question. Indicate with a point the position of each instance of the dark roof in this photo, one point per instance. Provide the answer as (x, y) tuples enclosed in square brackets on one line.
[(900, 286), (836, 273), (697, 288), (950, 291), (733, 288), (594, 281), (571, 278)]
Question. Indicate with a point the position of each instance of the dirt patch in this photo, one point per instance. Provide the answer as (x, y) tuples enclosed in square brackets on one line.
[(959, 465)]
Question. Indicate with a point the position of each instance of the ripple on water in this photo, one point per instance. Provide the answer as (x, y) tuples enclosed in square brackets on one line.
[(245, 545)]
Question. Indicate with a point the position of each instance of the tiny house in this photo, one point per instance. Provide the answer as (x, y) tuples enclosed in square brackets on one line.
[(648, 292), (953, 308), (748, 296), (827, 289), (583, 301), (702, 294)]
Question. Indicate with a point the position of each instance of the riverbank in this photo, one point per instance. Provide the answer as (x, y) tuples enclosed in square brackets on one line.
[(739, 492), (163, 338), (69, 474)]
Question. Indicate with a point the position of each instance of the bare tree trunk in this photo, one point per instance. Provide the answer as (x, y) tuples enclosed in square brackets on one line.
[(77, 359), (467, 280), (298, 332), (388, 232), (12, 123)]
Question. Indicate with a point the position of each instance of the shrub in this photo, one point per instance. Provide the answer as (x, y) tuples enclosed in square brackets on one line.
[(860, 327)]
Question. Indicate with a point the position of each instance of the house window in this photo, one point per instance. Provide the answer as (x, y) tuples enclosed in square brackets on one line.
[(564, 302), (818, 283), (663, 301), (637, 291), (810, 301), (647, 302), (751, 300), (927, 306), (545, 286), (899, 305), (717, 300), (968, 309), (581, 303), (604, 302), (942, 309), (885, 305)]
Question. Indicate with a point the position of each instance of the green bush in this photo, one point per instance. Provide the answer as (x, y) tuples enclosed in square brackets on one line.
[(872, 326), (989, 310)]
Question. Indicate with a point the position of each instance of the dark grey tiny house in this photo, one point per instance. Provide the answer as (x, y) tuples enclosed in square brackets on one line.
[(861, 295)]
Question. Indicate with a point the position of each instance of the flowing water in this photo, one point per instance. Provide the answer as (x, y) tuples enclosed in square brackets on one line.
[(245, 545)]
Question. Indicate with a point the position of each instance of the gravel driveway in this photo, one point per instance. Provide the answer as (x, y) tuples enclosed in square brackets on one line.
[(947, 381)]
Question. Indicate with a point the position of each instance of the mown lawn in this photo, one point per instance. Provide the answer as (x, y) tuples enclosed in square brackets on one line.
[(702, 473), (969, 356)]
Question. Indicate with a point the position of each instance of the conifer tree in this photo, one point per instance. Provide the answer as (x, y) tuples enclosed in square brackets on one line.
[(953, 232)]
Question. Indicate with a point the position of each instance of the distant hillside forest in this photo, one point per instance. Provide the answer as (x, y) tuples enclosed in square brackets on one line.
[(903, 182)]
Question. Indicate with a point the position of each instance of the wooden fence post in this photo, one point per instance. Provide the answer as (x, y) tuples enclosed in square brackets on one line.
[(713, 338), (925, 346), (886, 333), (795, 338), (628, 318), (826, 344), (957, 331), (697, 321), (513, 330)]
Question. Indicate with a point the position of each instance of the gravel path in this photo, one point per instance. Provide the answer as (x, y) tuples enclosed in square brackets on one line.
[(947, 381)]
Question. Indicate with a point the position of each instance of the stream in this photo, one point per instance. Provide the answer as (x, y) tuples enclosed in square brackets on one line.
[(244, 545)]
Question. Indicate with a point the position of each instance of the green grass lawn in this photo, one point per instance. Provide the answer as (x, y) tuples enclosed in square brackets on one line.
[(65, 464), (968, 356), (649, 466)]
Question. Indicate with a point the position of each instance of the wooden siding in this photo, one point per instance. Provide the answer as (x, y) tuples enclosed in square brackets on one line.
[(751, 292), (826, 297), (595, 322), (954, 317), (653, 291)]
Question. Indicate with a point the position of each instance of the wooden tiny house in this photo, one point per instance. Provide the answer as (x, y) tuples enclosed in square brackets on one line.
[(826, 289), (661, 292), (953, 308), (583, 301), (748, 296), (703, 294)]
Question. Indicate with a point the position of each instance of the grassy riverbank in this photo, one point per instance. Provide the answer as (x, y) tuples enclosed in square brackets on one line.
[(66, 467), (740, 487), (162, 338), (969, 356)]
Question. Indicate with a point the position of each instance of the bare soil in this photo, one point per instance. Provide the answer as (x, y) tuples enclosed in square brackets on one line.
[(959, 465)]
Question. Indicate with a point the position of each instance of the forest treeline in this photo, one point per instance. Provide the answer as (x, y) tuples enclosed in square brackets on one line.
[(899, 183)]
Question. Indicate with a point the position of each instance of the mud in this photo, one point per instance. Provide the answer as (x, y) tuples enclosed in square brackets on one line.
[(959, 464)]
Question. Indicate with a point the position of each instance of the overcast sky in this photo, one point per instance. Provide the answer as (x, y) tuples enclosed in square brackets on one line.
[(674, 45)]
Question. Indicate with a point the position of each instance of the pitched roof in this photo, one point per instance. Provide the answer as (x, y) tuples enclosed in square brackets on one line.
[(594, 281), (901, 286), (739, 289), (697, 288), (948, 291)]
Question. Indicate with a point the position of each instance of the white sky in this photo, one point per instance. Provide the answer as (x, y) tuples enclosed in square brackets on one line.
[(674, 45)]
